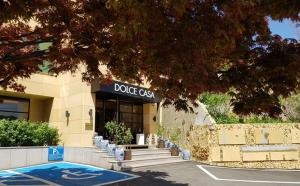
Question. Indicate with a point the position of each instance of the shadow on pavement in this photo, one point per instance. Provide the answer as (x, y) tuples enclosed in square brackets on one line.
[(151, 178)]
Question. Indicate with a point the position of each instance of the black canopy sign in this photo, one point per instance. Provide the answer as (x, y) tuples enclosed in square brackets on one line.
[(127, 90)]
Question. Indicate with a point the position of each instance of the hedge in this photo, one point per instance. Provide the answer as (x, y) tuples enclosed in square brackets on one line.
[(26, 133)]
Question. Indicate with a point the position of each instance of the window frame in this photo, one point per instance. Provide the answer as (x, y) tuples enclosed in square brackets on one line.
[(17, 99)]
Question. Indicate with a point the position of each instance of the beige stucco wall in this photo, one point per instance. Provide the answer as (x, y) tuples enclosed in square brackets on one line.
[(150, 118), (40, 109)]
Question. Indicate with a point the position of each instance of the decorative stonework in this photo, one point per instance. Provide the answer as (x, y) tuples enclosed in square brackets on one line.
[(273, 145)]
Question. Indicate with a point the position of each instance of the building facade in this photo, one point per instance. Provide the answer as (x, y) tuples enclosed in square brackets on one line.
[(79, 109)]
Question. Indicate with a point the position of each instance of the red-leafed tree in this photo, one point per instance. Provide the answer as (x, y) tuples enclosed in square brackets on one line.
[(182, 47)]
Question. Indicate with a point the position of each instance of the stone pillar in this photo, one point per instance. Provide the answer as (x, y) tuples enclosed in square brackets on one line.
[(150, 118)]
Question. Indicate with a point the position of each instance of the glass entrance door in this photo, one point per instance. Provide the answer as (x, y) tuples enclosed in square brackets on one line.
[(106, 110), (130, 113), (132, 116)]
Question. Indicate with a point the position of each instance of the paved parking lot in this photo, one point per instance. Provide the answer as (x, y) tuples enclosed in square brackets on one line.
[(179, 174), (62, 173), (192, 173)]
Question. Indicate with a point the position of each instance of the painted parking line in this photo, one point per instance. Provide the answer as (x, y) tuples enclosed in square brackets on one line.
[(62, 173), (258, 169), (10, 177), (242, 180)]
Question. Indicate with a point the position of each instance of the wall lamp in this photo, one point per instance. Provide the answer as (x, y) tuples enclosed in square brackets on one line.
[(91, 112), (67, 113), (91, 115)]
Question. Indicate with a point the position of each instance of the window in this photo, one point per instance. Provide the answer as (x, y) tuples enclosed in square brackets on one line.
[(132, 116), (14, 108)]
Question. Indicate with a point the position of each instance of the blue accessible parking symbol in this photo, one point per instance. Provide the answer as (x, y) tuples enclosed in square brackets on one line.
[(56, 153), (62, 173)]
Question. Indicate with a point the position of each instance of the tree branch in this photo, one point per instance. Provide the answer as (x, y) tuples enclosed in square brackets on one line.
[(20, 58)]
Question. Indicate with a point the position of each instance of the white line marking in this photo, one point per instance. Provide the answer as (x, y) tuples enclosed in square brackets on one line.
[(135, 176), (207, 172), (253, 169), (99, 168), (132, 176), (31, 166), (259, 181), (237, 168), (246, 181), (78, 175), (34, 178)]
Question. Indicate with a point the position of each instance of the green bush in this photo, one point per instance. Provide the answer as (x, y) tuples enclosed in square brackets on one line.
[(218, 106), (175, 135), (161, 130), (26, 133), (118, 133), (291, 107)]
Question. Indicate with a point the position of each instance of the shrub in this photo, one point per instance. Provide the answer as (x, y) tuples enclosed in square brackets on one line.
[(161, 130), (291, 108), (175, 135), (26, 133), (118, 133), (218, 106)]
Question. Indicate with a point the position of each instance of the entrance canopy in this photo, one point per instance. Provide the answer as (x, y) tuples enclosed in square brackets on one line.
[(126, 91)]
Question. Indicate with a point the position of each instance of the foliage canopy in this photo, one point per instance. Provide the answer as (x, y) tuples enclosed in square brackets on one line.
[(182, 48)]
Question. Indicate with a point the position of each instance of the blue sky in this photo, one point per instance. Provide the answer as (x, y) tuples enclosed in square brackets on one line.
[(286, 29)]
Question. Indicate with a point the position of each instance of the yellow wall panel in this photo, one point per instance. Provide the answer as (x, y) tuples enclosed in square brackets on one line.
[(256, 156), (231, 153), (261, 136), (275, 136), (232, 136), (284, 155), (215, 154), (295, 136)]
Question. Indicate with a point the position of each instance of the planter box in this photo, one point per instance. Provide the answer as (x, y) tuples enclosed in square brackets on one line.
[(13, 157)]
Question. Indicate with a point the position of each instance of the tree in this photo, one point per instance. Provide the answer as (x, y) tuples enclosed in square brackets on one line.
[(183, 48)]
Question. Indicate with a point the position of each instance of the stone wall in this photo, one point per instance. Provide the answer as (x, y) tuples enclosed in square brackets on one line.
[(247, 145), (87, 155)]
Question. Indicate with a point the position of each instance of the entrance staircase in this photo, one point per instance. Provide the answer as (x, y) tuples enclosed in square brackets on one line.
[(140, 158)]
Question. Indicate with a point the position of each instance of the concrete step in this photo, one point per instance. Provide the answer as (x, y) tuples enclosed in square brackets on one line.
[(145, 152), (155, 163), (137, 151), (127, 164), (101, 153), (149, 155)]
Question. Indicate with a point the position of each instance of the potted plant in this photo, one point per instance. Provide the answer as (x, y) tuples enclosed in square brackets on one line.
[(174, 150), (175, 136), (127, 154), (160, 131), (127, 140), (120, 135), (111, 127)]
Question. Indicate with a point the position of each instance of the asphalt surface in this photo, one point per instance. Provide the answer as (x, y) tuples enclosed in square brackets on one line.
[(193, 173)]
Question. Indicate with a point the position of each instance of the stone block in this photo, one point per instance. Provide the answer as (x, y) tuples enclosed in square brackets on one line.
[(4, 158), (232, 136), (18, 157), (284, 155), (256, 156), (295, 135), (231, 153)]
